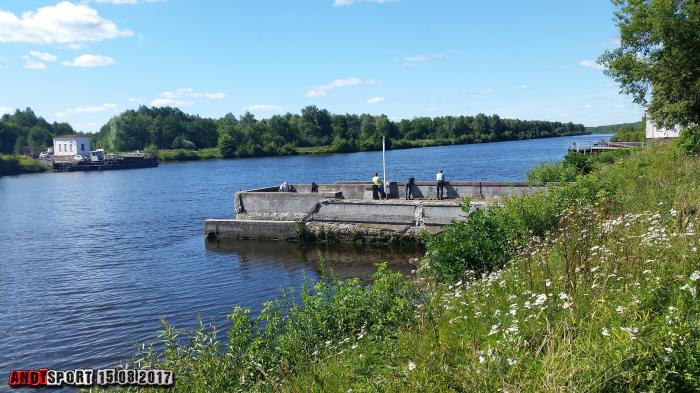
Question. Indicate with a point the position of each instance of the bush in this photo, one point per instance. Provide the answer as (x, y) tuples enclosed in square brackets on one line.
[(689, 140), (482, 243), (287, 335), (16, 164)]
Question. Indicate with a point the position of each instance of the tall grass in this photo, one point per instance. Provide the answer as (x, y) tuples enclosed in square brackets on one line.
[(592, 286), (605, 301)]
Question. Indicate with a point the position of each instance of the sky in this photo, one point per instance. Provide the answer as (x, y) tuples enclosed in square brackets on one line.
[(82, 62)]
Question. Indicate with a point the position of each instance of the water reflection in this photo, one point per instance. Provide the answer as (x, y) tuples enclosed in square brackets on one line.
[(339, 260)]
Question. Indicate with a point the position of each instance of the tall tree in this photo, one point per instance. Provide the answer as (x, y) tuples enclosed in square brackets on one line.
[(658, 60)]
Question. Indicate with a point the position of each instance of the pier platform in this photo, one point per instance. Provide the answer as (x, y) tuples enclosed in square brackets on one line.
[(346, 212)]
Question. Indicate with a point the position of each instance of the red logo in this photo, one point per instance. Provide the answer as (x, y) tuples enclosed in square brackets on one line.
[(28, 377)]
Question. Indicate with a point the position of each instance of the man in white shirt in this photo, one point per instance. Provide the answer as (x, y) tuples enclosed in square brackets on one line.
[(284, 187), (440, 185)]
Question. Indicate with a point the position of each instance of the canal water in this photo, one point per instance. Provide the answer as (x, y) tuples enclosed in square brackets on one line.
[(90, 261)]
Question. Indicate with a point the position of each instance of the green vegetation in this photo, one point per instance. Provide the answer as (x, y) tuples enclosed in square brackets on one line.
[(23, 132), (16, 164), (613, 128), (311, 132), (689, 140), (659, 52), (573, 165), (588, 287)]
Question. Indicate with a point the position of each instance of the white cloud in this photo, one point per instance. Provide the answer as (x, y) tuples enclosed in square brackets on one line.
[(189, 93), (5, 110), (375, 100), (183, 97), (136, 100), (263, 108), (170, 102), (43, 56), (344, 3), (33, 64), (587, 106), (488, 90), (410, 60), (87, 109), (63, 23), (591, 64), (323, 90), (525, 87), (89, 61)]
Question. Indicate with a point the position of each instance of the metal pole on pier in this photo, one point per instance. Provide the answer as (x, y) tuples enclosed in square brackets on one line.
[(384, 163)]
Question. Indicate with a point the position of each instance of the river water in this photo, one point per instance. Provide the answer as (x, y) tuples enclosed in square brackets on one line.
[(90, 261)]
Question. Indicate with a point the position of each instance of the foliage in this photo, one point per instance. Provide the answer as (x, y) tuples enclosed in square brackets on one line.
[(289, 333), (605, 301), (187, 155), (613, 128), (23, 130), (573, 165), (313, 131), (16, 164), (659, 52), (481, 243), (689, 140), (629, 134)]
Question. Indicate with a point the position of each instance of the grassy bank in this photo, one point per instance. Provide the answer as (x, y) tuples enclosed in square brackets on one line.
[(589, 287), (16, 165)]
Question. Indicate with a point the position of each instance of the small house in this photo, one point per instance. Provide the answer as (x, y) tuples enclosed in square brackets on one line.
[(654, 132), (70, 145)]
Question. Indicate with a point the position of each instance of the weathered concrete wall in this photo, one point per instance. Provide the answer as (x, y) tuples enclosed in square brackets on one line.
[(251, 229), (346, 211)]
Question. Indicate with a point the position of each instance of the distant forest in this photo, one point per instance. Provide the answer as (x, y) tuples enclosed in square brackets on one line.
[(314, 130), (23, 131), (612, 128)]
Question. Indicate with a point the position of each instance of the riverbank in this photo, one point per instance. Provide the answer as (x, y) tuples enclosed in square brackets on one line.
[(17, 165), (174, 155), (589, 287)]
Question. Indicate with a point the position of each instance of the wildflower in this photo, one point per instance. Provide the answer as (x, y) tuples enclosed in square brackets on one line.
[(669, 350), (547, 282), (541, 298), (494, 329), (690, 289), (595, 269), (411, 366), (527, 304), (672, 309), (605, 332), (329, 342), (619, 309), (566, 305), (482, 359), (646, 271), (511, 361), (694, 276), (564, 296)]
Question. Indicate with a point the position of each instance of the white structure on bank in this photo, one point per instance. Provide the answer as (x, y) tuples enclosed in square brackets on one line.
[(70, 145), (654, 132)]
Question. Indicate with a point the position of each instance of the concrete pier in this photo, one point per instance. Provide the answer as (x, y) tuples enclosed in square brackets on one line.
[(346, 212)]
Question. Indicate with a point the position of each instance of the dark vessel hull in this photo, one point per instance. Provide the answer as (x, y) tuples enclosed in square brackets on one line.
[(104, 165)]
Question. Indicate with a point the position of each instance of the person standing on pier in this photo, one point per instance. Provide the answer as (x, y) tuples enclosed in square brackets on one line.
[(440, 185), (409, 187), (376, 182)]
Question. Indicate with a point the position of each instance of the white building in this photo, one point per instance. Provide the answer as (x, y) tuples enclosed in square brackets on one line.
[(654, 132), (70, 145)]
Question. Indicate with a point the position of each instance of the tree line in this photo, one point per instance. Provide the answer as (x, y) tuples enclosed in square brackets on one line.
[(314, 130), (23, 131), (152, 128)]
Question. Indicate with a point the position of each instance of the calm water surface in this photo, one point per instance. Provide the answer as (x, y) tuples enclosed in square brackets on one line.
[(90, 261)]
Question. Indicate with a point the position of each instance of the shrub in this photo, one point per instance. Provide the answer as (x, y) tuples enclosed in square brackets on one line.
[(689, 140), (482, 243)]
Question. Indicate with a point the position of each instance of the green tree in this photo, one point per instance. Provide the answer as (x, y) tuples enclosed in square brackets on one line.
[(658, 60)]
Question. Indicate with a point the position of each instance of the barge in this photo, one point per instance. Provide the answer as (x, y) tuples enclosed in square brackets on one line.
[(97, 161)]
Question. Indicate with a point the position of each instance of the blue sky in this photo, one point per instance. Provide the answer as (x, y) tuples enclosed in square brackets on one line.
[(84, 61)]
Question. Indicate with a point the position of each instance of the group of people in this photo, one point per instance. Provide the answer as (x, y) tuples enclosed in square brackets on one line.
[(378, 191)]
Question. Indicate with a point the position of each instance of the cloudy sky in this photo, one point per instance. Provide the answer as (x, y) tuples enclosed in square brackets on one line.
[(84, 61)]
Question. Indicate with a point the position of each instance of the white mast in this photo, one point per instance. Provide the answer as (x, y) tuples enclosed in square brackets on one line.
[(386, 184)]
